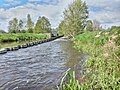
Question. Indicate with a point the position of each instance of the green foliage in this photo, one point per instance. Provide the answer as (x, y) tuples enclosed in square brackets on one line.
[(38, 28), (45, 24), (23, 31), (118, 40), (86, 37), (101, 69), (91, 37), (102, 63), (89, 26), (13, 26), (20, 36), (42, 25), (12, 31), (115, 30), (20, 24), (30, 30), (74, 18), (69, 82), (117, 52), (61, 28), (29, 24), (103, 73)]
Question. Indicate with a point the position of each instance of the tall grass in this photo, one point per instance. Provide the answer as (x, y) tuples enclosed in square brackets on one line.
[(103, 62), (70, 83)]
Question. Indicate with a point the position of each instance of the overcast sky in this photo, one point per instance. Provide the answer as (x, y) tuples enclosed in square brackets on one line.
[(107, 12)]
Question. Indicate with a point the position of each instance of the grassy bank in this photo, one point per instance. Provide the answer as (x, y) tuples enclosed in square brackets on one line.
[(10, 37), (102, 70)]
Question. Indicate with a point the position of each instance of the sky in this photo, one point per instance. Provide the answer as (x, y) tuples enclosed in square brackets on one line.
[(107, 12)]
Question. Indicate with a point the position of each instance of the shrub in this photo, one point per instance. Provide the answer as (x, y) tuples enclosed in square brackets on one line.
[(23, 31)]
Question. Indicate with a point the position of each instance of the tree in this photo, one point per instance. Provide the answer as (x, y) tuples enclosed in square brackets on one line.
[(38, 28), (29, 24), (20, 24), (10, 28), (45, 24), (23, 31), (75, 18), (89, 26), (13, 25), (61, 27), (42, 25)]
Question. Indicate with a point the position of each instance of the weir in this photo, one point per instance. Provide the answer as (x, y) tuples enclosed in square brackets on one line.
[(5, 50)]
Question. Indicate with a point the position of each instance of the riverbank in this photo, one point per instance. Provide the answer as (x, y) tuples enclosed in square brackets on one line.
[(12, 37), (101, 69), (26, 45)]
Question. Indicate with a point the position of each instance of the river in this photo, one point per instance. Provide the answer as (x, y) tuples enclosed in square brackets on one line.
[(39, 67)]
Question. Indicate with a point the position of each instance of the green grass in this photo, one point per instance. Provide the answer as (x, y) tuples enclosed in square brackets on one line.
[(71, 83), (20, 36), (91, 37), (103, 70)]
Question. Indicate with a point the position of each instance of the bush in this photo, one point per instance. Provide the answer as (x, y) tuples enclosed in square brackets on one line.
[(23, 31), (30, 30)]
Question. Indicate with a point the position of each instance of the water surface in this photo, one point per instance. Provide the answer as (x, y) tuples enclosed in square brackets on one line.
[(37, 68)]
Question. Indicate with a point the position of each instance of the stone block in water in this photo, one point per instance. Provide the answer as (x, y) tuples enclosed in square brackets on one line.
[(3, 51)]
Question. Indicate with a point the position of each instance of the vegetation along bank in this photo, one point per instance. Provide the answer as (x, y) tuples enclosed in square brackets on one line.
[(101, 70), (10, 37)]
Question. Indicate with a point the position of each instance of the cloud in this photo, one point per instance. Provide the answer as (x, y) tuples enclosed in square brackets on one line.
[(38, 0), (10, 3), (53, 12), (3, 16), (105, 11), (53, 2)]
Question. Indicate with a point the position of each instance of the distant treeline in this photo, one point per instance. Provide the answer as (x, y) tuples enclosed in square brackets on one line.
[(41, 26)]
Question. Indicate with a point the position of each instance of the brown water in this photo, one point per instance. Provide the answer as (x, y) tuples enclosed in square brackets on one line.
[(37, 68)]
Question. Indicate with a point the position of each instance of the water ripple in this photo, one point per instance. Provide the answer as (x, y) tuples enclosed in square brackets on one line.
[(34, 68)]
